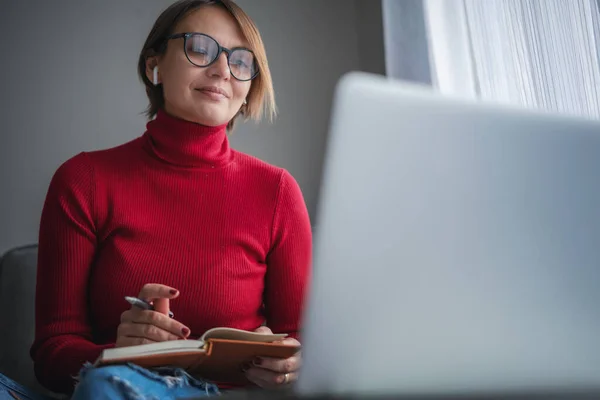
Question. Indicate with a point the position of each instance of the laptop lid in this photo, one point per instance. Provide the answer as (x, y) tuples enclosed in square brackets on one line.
[(457, 248)]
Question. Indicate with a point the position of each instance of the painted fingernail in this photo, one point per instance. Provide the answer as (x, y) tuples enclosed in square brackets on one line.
[(185, 331), (173, 292), (257, 361)]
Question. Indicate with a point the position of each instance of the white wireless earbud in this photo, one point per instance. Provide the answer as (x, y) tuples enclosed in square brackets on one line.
[(155, 75), (245, 101)]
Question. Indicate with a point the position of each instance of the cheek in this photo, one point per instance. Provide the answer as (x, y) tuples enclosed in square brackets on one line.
[(177, 76), (240, 91), (174, 87)]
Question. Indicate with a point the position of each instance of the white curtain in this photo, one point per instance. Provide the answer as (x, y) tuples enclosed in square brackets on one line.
[(542, 54)]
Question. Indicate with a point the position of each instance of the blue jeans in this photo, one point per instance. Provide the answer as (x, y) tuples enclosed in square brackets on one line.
[(124, 382), (10, 389), (131, 382)]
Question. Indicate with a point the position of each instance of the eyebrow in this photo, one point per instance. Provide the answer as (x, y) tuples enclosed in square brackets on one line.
[(240, 46)]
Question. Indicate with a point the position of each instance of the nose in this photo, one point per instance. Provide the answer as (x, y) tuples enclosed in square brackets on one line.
[(220, 68)]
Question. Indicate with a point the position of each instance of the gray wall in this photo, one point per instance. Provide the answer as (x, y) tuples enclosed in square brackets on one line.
[(68, 79), (406, 41)]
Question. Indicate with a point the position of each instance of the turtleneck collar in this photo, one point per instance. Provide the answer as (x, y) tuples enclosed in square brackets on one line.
[(188, 144)]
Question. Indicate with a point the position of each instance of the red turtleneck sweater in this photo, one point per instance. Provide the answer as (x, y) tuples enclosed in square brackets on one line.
[(175, 206)]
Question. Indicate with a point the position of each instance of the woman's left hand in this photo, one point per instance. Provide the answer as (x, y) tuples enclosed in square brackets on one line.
[(269, 372)]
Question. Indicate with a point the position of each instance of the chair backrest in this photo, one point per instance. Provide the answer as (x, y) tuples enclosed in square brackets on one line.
[(17, 296)]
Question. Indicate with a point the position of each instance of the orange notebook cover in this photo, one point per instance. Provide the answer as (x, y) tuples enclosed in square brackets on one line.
[(217, 356)]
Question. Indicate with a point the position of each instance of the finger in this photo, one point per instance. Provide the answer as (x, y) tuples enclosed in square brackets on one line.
[(289, 341), (154, 291), (161, 321), (129, 315), (267, 379), (278, 365), (261, 377), (263, 329), (133, 314), (162, 306), (147, 331)]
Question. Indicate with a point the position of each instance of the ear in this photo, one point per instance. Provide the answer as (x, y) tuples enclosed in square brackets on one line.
[(151, 62)]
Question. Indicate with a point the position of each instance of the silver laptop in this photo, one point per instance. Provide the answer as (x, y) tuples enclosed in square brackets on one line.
[(457, 248)]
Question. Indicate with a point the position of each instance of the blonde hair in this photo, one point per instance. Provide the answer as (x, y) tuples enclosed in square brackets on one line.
[(261, 97)]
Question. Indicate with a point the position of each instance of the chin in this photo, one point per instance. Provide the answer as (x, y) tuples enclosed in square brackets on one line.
[(210, 117), (210, 121)]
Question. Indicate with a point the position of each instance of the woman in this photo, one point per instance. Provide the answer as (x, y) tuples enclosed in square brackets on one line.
[(175, 217)]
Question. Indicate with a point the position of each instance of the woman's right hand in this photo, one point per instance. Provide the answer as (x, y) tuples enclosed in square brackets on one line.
[(146, 326)]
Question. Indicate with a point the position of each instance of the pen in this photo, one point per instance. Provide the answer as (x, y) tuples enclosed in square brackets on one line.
[(144, 305)]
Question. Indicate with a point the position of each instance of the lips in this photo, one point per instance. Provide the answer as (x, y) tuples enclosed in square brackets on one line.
[(214, 91)]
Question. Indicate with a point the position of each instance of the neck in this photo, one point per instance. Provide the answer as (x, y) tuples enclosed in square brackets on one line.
[(188, 144)]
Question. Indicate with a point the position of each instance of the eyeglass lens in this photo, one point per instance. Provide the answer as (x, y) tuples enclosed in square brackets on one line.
[(203, 50)]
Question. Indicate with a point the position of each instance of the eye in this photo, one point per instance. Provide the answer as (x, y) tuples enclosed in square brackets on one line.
[(240, 63), (200, 50)]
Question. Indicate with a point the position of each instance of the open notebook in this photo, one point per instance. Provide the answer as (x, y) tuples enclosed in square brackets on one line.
[(217, 355)]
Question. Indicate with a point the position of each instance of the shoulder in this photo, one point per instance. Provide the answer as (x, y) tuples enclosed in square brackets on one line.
[(256, 165), (92, 160), (268, 174), (80, 170), (71, 187), (74, 170), (114, 154)]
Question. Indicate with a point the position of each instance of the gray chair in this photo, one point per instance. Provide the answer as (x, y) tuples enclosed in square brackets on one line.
[(17, 325)]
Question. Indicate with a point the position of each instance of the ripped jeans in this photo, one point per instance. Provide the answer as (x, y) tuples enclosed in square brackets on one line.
[(122, 382), (131, 382)]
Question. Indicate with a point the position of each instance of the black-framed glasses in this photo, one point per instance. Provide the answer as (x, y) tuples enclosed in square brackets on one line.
[(202, 50)]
